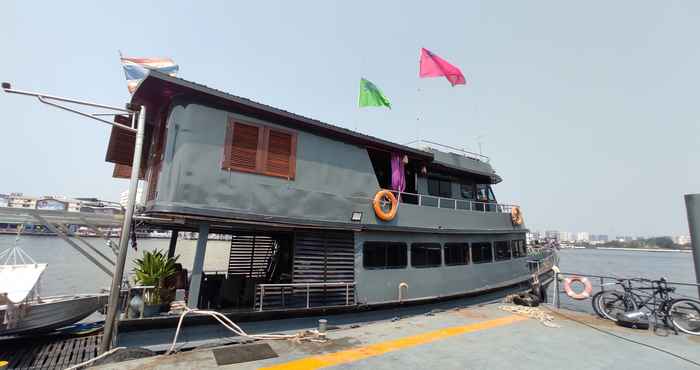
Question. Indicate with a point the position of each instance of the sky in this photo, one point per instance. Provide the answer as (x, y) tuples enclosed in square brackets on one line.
[(588, 110)]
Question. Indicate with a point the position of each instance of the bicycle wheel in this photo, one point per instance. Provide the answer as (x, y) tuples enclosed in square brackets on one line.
[(594, 303), (684, 313), (611, 303)]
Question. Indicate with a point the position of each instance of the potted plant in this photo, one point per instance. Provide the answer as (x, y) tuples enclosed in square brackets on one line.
[(151, 270)]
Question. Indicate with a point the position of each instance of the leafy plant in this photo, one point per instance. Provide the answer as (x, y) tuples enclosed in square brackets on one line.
[(151, 269)]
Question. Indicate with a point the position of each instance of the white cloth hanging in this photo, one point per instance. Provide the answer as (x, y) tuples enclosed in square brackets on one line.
[(18, 281)]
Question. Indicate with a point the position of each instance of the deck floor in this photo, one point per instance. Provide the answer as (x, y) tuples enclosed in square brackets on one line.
[(478, 337), (49, 352)]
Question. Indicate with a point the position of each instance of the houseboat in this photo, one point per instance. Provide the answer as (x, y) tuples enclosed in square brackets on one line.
[(319, 215)]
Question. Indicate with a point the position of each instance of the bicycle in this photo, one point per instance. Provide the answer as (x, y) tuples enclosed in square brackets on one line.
[(678, 313)]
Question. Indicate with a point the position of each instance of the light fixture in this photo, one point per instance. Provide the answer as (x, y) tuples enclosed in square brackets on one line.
[(356, 216)]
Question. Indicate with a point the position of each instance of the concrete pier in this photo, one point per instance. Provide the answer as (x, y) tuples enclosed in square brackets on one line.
[(477, 337)]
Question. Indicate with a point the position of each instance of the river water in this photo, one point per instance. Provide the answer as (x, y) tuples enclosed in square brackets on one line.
[(69, 272)]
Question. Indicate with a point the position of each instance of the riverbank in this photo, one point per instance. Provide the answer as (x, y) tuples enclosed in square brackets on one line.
[(643, 249)]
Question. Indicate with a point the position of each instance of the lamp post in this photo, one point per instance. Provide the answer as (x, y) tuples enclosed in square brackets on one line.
[(138, 129)]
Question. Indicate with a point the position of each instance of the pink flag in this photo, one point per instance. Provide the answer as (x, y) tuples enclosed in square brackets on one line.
[(432, 65)]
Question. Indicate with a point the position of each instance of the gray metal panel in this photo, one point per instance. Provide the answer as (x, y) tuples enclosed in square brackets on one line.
[(381, 285), (330, 175), (333, 179)]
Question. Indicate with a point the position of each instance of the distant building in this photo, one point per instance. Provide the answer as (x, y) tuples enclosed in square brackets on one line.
[(4, 200), (533, 236), (551, 234), (624, 238), (19, 200), (124, 197), (51, 204), (565, 237), (583, 236), (599, 238)]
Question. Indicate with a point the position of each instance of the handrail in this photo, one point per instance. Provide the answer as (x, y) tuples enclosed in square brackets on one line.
[(308, 287), (542, 264), (621, 278), (602, 282), (485, 206), (461, 151)]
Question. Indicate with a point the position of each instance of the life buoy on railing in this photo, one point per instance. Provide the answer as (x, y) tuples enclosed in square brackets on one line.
[(516, 215), (587, 287), (380, 200)]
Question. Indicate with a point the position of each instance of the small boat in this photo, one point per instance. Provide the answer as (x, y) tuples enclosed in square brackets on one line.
[(23, 311), (47, 314)]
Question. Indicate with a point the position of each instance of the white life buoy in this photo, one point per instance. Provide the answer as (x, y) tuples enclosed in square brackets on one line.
[(587, 287)]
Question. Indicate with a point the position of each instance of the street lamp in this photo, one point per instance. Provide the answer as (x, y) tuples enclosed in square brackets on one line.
[(55, 101)]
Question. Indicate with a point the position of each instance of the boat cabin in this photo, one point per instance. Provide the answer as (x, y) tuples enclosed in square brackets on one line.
[(297, 197)]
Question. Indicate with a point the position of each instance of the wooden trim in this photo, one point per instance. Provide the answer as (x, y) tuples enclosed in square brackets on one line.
[(228, 143), (261, 155), (262, 149)]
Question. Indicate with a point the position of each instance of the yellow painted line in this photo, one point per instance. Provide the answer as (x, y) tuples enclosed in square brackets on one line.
[(359, 353)]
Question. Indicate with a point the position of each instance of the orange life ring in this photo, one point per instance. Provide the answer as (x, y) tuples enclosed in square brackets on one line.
[(587, 287), (516, 215), (377, 204)]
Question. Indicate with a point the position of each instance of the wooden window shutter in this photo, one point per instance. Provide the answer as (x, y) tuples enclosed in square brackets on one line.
[(280, 154), (242, 143)]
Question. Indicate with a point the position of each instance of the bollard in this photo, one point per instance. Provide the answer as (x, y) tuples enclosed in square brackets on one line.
[(692, 206), (322, 326)]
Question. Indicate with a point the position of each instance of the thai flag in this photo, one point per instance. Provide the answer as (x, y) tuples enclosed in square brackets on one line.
[(136, 69)]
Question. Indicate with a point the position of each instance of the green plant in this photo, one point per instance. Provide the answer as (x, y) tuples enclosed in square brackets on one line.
[(151, 269)]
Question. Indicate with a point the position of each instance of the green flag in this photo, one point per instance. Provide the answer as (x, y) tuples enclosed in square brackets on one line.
[(371, 96)]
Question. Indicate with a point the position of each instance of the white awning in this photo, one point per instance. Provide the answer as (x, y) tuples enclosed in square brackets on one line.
[(17, 281)]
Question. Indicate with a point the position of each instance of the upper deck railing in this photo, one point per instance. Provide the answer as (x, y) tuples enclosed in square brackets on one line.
[(451, 203), (460, 151)]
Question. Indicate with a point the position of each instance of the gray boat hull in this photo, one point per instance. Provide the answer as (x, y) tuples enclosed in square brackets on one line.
[(52, 313)]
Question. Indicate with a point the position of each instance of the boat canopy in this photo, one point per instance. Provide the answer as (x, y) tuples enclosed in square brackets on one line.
[(19, 281)]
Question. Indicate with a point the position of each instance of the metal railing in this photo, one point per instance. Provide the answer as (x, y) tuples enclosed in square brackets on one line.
[(451, 203), (281, 288), (604, 282), (460, 151), (542, 262)]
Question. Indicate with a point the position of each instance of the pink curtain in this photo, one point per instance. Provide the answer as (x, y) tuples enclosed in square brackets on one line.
[(398, 177)]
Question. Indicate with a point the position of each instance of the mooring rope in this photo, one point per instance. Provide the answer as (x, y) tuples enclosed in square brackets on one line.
[(533, 313), (307, 335), (88, 362)]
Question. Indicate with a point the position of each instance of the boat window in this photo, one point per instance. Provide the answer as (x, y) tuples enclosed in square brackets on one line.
[(456, 254), (518, 247), (384, 255), (481, 252), (259, 149), (468, 191), (425, 255), (484, 193), (502, 250), (439, 187)]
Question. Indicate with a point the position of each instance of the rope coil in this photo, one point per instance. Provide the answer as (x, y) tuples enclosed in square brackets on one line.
[(533, 313)]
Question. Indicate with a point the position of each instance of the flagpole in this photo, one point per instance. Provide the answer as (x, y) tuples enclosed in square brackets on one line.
[(418, 114), (121, 57)]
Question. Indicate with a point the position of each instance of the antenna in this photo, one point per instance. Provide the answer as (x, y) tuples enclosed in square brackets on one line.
[(479, 142)]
